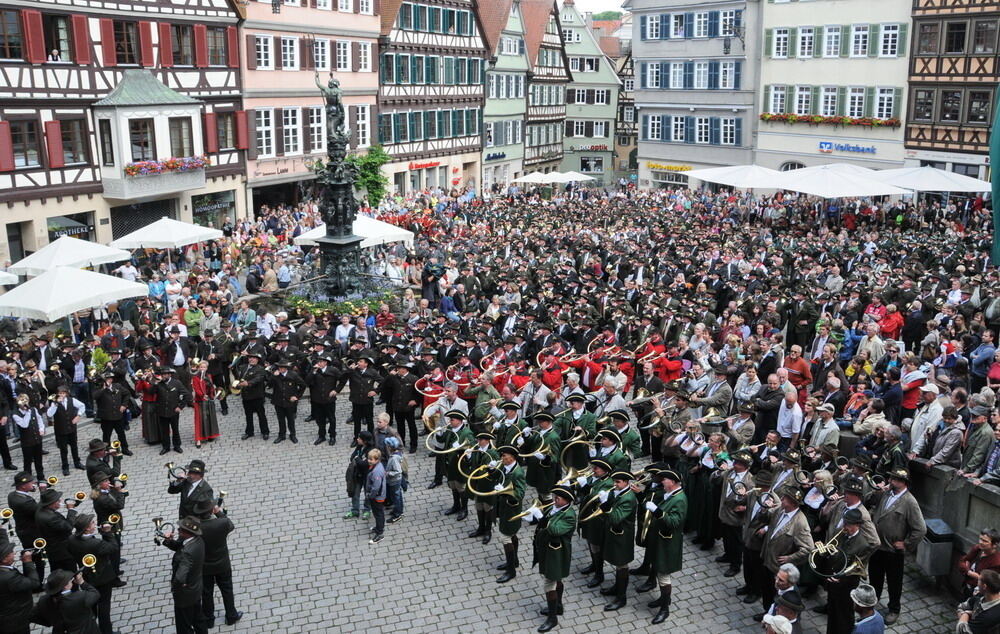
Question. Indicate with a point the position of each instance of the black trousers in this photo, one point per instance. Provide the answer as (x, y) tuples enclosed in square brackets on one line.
[(440, 463), (251, 407), (751, 569), (887, 567), (4, 448), (840, 607), (27, 542), (363, 413), (168, 425), (732, 544), (103, 609), (406, 423), (378, 512), (767, 590), (325, 415), (67, 444), (189, 619), (117, 426), (224, 580), (33, 454), (286, 419)]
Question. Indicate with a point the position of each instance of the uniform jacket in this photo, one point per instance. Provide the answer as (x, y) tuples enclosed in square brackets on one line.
[(56, 529), (793, 540), (186, 570), (553, 542), (76, 610), (215, 533), (109, 400), (667, 533), (361, 383), (105, 548), (170, 395), (402, 391), (902, 522), (188, 499), (618, 547), (285, 388), (24, 507), (15, 596), (321, 383)]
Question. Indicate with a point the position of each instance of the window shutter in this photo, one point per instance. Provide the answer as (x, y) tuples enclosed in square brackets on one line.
[(34, 37), (664, 26), (688, 75), (356, 57), (306, 53), (842, 100), (737, 74), (6, 148), (53, 144), (766, 104), (352, 119), (81, 39), (108, 42), (816, 106), (738, 18), (666, 127), (793, 42), (901, 52), (571, 92), (642, 27), (588, 129), (713, 75), (845, 40), (569, 128), (200, 45), (395, 127), (642, 77), (250, 138), (897, 98), (591, 99), (146, 44), (210, 132), (738, 131), (373, 55), (714, 131), (166, 45), (789, 98), (874, 39), (645, 128), (869, 101), (276, 53), (768, 42), (232, 47), (357, 6), (688, 24), (307, 147), (279, 133), (429, 121), (251, 52), (713, 24), (689, 129), (242, 135), (818, 41), (664, 75)]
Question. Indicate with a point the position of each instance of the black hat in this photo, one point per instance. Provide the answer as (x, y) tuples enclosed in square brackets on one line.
[(861, 461), (196, 466), (96, 444), (6, 549), (49, 496), (720, 368), (177, 330), (98, 477), (166, 369), (618, 415), (612, 434), (747, 408), (853, 516), (485, 436), (790, 600), (208, 333), (792, 493), (543, 416), (743, 457), (82, 521), (190, 524), (622, 475), (564, 493), (764, 478), (576, 398), (23, 477), (853, 485), (670, 474), (899, 474), (456, 414), (57, 582), (792, 455), (597, 462), (509, 405), (255, 354), (107, 375), (507, 449), (203, 508)]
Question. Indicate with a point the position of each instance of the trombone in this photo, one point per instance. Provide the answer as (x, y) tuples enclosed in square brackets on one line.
[(537, 504)]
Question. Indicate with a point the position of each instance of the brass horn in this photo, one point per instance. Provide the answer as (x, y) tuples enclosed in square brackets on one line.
[(507, 488), (39, 547), (161, 530), (537, 504), (445, 448), (89, 561), (175, 472), (52, 481)]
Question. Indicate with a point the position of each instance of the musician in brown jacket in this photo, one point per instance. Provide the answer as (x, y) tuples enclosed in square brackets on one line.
[(787, 540), (736, 483), (900, 526), (756, 516)]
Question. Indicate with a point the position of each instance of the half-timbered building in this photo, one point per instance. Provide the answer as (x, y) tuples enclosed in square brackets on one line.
[(285, 53), (114, 114), (547, 81), (430, 102), (953, 78)]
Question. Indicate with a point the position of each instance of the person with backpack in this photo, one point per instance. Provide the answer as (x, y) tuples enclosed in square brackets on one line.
[(357, 473), (397, 481)]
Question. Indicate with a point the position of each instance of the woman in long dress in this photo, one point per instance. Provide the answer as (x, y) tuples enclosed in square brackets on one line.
[(206, 421)]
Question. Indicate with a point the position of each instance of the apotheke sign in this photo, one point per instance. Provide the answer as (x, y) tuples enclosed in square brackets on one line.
[(828, 147)]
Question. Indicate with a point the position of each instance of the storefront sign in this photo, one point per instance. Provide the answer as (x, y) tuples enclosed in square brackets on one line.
[(592, 148), (211, 210), (828, 147), (495, 156), (420, 166), (669, 168), (75, 225)]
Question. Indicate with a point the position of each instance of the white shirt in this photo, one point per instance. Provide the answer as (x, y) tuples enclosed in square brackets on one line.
[(785, 518), (789, 419)]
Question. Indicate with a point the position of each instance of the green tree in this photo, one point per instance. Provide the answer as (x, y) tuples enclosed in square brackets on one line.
[(370, 176), (607, 15)]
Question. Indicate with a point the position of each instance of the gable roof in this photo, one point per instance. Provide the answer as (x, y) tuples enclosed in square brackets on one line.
[(388, 10), (535, 17), (493, 16), (140, 88)]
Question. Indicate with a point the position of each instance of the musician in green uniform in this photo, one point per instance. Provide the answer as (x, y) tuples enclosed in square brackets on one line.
[(457, 426), (554, 550), (576, 420), (508, 505), (507, 427), (631, 441), (618, 505), (471, 459), (593, 529), (666, 538), (654, 493), (543, 462), (610, 451)]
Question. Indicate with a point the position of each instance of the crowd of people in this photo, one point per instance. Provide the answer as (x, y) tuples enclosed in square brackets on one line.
[(766, 371)]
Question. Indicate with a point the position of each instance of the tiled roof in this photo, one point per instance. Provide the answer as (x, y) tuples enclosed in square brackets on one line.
[(493, 14), (535, 17), (610, 26), (610, 46), (388, 9), (140, 88)]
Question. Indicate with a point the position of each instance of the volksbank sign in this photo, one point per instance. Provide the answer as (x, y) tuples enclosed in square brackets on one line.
[(827, 147)]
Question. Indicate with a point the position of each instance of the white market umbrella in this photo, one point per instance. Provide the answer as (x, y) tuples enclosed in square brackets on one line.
[(63, 290), (932, 179), (838, 168), (739, 176), (534, 177), (830, 181), (67, 251), (373, 231), (577, 176), (557, 177), (7, 278), (166, 233)]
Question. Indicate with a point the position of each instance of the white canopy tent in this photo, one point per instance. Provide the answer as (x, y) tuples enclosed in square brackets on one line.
[(835, 181), (739, 176), (931, 179), (63, 290), (7, 278), (67, 251), (166, 233), (375, 232)]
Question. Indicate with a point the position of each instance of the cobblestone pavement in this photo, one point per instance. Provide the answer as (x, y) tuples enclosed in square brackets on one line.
[(299, 567)]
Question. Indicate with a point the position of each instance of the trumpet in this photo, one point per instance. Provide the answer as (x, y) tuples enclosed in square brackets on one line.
[(89, 561), (161, 530), (219, 501), (51, 481), (175, 472), (5, 516), (537, 504), (38, 546), (116, 446), (115, 520)]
